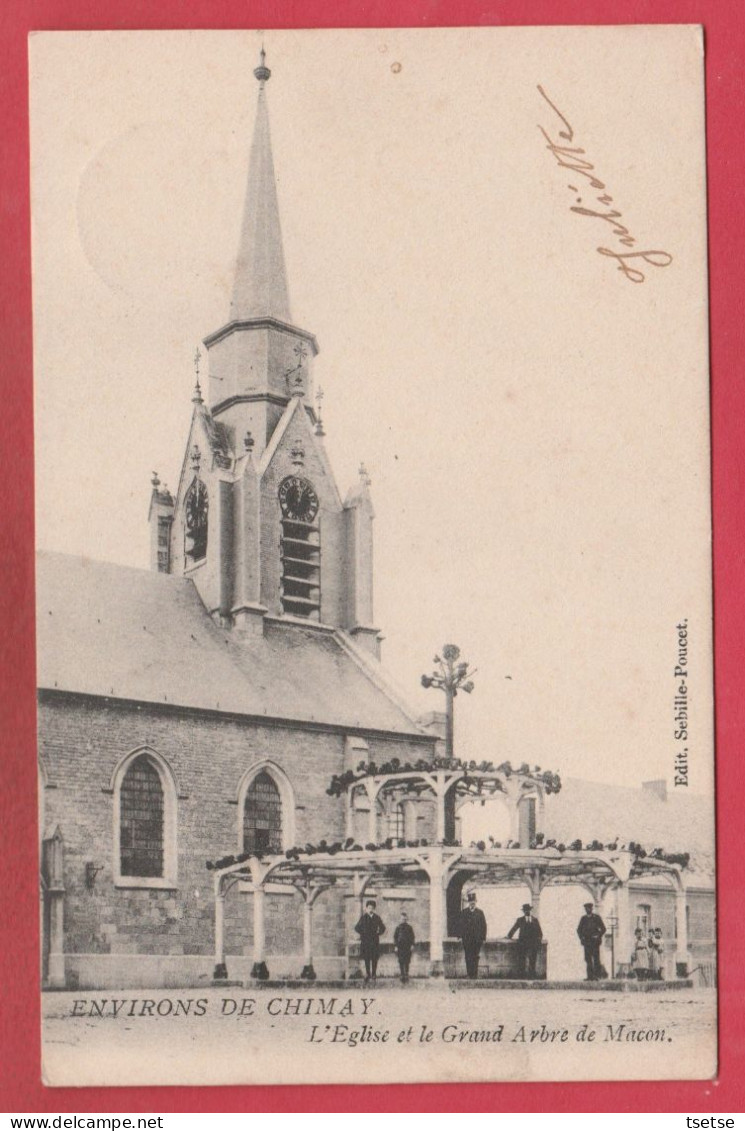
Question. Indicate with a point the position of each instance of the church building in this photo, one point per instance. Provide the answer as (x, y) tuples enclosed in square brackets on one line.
[(202, 708), (226, 773)]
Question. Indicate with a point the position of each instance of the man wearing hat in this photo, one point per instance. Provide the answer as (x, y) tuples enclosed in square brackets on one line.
[(472, 930), (591, 930), (370, 927), (529, 935)]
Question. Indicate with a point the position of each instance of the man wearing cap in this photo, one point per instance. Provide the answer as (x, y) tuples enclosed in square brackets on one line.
[(529, 935), (591, 930), (472, 930), (370, 927)]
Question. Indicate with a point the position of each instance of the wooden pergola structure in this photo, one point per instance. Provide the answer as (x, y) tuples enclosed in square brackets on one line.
[(439, 865), (448, 785)]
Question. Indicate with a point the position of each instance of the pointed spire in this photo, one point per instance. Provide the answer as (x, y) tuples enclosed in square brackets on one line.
[(260, 285)]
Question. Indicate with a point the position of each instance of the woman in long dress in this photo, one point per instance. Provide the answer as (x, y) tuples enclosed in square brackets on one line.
[(640, 956), (654, 955)]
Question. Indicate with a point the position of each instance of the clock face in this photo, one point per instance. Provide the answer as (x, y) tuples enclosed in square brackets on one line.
[(196, 507), (297, 499)]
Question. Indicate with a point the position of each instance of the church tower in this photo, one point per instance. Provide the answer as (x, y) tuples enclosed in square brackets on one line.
[(257, 520)]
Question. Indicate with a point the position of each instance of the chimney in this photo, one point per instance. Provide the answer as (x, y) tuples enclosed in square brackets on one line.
[(658, 787)]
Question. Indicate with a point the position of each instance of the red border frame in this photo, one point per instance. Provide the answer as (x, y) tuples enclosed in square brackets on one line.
[(724, 23)]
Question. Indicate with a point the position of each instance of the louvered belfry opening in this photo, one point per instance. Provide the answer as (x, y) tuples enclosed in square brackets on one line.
[(141, 816), (262, 816), (196, 508), (300, 547)]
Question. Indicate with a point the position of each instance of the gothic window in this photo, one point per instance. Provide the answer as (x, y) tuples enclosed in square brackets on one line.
[(265, 810), (141, 820), (300, 548), (262, 815), (145, 817), (196, 508)]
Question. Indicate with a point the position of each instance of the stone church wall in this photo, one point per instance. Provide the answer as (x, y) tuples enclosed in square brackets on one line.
[(128, 935)]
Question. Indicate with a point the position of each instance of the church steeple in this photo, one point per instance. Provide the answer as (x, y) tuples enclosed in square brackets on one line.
[(260, 284), (258, 522), (259, 361)]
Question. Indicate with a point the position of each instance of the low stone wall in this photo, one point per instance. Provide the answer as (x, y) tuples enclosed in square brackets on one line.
[(499, 959)]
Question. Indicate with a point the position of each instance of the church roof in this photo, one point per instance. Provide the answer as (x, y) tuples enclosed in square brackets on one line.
[(111, 630), (260, 285), (217, 433)]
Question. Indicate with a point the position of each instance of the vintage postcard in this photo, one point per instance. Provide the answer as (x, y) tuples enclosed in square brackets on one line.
[(374, 587)]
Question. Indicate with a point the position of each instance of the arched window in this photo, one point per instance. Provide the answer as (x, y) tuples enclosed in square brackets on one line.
[(262, 815), (144, 822), (196, 515), (141, 820)]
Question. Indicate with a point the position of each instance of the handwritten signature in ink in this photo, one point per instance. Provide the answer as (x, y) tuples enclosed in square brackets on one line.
[(575, 159)]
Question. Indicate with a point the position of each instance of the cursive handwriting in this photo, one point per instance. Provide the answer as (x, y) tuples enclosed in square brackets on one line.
[(574, 158)]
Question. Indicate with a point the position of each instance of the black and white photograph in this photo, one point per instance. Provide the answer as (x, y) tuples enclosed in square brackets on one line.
[(374, 619)]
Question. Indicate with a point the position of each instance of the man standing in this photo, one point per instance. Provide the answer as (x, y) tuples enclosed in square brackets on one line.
[(472, 930), (370, 927), (403, 942), (529, 935), (591, 930)]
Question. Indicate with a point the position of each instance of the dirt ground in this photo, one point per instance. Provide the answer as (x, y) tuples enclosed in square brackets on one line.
[(388, 1033)]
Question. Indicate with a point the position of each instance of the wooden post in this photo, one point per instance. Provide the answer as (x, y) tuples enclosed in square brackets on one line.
[(259, 969), (436, 917), (309, 896), (535, 883), (623, 943), (372, 817), (350, 812), (221, 970), (682, 957), (440, 803)]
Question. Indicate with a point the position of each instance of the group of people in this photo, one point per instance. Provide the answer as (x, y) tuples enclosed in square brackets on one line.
[(370, 927), (648, 958)]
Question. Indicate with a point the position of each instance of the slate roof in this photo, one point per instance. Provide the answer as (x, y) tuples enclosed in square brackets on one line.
[(216, 432), (589, 809), (110, 630)]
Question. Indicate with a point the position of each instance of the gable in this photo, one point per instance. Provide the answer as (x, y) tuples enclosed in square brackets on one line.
[(295, 449)]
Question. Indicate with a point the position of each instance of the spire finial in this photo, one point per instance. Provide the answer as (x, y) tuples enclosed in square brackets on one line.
[(319, 421), (197, 394), (262, 72), (364, 476)]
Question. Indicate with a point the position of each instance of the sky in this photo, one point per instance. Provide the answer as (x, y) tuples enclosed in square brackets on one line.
[(535, 425)]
